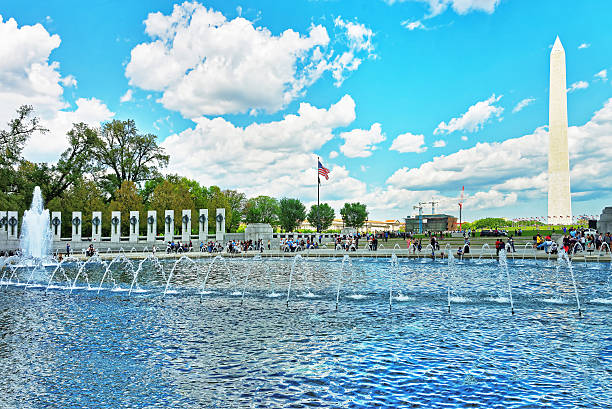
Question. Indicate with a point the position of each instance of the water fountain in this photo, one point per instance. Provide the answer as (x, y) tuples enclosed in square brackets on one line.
[(450, 273), (296, 259), (503, 263), (346, 263), (564, 259), (217, 259), (394, 272), (36, 236), (256, 258)]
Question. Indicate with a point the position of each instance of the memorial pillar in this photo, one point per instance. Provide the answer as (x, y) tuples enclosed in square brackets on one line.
[(169, 226), (203, 226), (76, 226), (151, 226), (3, 225), (115, 227), (13, 225), (186, 226), (96, 227), (56, 225), (220, 219), (134, 226)]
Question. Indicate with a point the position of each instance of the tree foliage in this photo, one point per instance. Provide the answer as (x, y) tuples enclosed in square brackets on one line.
[(171, 196), (14, 186), (126, 199), (124, 154), (237, 202), (488, 223), (323, 217), (354, 214), (262, 209), (291, 213)]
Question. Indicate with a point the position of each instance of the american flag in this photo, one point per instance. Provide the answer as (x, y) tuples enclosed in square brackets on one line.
[(323, 171)]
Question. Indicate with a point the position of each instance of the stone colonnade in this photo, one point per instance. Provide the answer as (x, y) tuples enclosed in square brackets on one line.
[(9, 226)]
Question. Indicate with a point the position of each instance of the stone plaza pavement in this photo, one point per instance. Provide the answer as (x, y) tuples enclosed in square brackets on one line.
[(487, 254)]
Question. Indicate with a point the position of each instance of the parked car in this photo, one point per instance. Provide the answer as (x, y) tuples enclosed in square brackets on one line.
[(493, 233)]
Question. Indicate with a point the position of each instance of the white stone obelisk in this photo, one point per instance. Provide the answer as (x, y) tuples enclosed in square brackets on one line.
[(559, 198)]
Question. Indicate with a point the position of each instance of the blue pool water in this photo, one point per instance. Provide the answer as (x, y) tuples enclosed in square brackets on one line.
[(107, 349)]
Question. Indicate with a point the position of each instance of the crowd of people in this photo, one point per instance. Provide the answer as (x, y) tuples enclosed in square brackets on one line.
[(575, 240), (179, 247)]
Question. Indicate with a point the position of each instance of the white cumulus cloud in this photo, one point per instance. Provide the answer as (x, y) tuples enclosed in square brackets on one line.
[(459, 6), (413, 25), (602, 75), (583, 46), (28, 77), (522, 104), (206, 64), (261, 158), (360, 143), (519, 164), (475, 117), (333, 154), (578, 85), (439, 143), (126, 97), (408, 142)]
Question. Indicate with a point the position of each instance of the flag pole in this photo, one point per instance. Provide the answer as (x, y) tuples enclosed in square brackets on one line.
[(318, 194)]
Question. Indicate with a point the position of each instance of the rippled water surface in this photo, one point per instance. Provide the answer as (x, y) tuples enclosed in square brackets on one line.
[(204, 346)]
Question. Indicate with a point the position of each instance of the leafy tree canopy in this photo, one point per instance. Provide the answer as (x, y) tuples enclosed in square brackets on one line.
[(322, 217), (354, 214), (262, 209), (291, 213)]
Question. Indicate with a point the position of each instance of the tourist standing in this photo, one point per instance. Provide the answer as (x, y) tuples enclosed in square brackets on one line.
[(67, 249)]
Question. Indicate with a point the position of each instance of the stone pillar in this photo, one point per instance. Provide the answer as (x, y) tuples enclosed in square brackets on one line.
[(186, 226), (13, 225), (604, 225), (220, 219), (77, 224), (256, 231), (3, 225), (115, 227), (203, 223), (134, 226), (169, 226), (56, 225), (96, 227), (151, 226)]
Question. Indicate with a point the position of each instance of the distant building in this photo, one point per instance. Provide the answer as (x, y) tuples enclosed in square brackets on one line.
[(432, 222), (372, 226)]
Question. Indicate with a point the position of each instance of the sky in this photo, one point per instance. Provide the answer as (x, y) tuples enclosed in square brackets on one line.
[(405, 101)]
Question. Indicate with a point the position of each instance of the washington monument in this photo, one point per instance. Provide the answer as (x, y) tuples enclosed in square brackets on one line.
[(559, 199)]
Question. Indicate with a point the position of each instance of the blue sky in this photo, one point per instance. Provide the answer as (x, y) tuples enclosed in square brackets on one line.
[(241, 102)]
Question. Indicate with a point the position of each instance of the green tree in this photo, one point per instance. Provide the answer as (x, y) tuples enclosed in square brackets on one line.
[(127, 199), (490, 223), (171, 196), (291, 213), (262, 209), (75, 162), (199, 194), (19, 131), (323, 218), (237, 202), (13, 184), (124, 154), (354, 214)]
